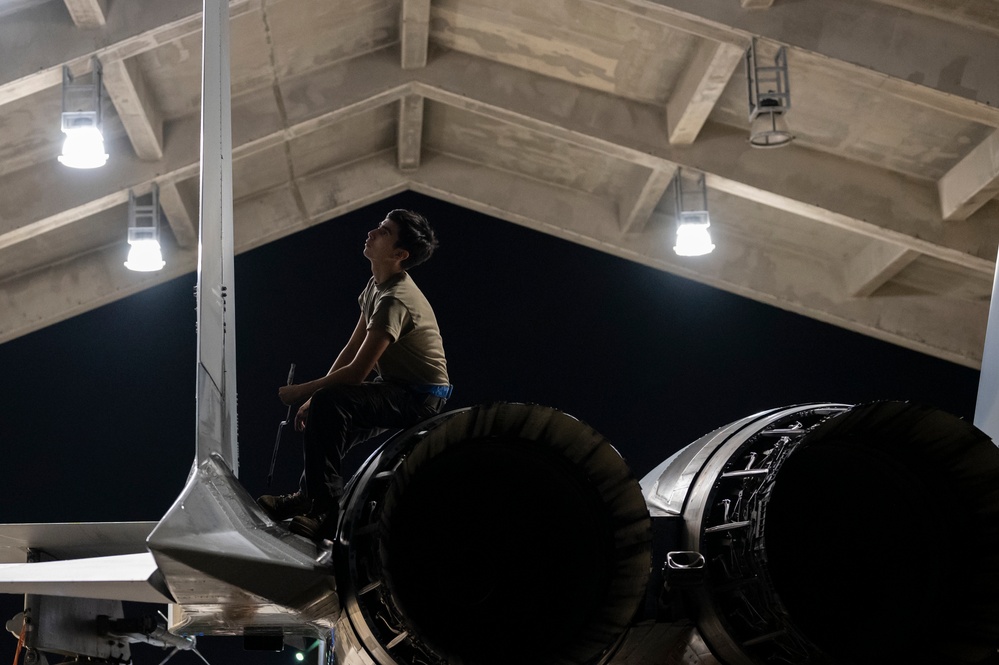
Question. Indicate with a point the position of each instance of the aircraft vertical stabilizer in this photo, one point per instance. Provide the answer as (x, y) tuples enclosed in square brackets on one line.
[(216, 396), (214, 546)]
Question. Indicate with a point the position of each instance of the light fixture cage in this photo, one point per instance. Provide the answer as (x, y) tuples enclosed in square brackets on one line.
[(144, 233), (692, 219), (82, 119), (83, 96), (766, 82), (769, 99)]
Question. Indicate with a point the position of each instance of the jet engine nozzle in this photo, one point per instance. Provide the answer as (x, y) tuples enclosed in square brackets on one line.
[(837, 534), (494, 534)]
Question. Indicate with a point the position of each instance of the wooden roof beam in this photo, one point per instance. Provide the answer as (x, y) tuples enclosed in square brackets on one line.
[(34, 62), (414, 32), (972, 182), (701, 85), (874, 267), (126, 86), (88, 13), (410, 134)]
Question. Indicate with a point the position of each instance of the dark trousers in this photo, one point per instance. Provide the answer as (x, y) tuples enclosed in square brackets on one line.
[(342, 416)]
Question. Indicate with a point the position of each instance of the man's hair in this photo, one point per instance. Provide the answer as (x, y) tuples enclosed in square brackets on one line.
[(415, 236)]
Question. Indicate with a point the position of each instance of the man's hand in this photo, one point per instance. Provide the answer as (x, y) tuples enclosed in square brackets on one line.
[(302, 416), (294, 393)]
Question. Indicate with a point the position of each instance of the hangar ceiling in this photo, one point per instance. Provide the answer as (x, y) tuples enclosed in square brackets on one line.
[(567, 116)]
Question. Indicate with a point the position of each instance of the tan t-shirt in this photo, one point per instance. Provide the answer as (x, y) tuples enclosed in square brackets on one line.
[(416, 354)]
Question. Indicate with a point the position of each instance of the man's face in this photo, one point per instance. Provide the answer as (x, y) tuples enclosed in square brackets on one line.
[(381, 240)]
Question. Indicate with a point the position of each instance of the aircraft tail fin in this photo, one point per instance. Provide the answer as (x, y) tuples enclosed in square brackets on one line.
[(216, 383)]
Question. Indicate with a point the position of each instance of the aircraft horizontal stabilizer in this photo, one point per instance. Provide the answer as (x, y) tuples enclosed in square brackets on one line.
[(72, 540), (133, 577)]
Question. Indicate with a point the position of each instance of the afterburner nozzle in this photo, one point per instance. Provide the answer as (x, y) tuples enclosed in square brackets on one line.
[(496, 534), (837, 534)]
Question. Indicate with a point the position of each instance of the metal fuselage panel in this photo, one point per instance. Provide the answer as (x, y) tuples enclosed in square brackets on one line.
[(231, 568)]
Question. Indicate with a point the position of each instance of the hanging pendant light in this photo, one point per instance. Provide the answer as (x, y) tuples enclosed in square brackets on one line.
[(769, 100), (144, 254), (692, 235), (82, 121)]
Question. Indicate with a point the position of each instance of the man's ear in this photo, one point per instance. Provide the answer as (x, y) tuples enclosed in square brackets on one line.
[(401, 253)]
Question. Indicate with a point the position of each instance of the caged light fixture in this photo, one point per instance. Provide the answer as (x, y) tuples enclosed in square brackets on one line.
[(769, 100), (692, 220), (144, 254), (81, 120)]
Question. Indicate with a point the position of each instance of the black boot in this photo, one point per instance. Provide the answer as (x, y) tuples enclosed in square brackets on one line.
[(317, 524), (285, 506)]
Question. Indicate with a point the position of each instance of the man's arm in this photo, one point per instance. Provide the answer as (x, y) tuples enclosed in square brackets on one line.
[(353, 344), (352, 366)]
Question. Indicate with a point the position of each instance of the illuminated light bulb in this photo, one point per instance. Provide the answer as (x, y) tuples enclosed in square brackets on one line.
[(692, 237), (83, 148), (144, 255)]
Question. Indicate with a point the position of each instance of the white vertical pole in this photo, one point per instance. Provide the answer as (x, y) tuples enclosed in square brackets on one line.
[(215, 299), (987, 407)]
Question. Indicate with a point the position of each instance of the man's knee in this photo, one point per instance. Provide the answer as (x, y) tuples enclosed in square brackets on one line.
[(329, 410), (336, 399), (333, 393)]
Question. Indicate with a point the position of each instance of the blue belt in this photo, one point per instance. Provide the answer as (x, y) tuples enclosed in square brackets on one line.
[(444, 392)]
